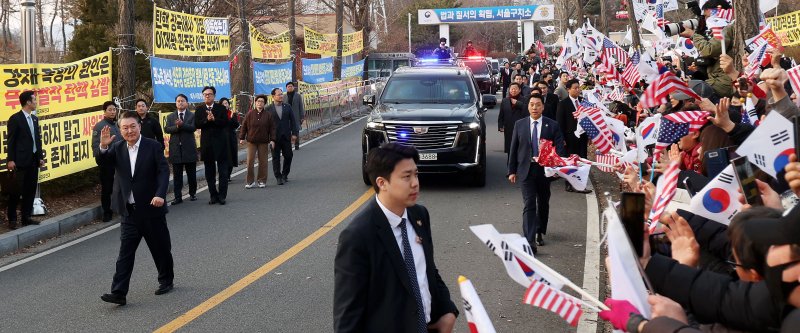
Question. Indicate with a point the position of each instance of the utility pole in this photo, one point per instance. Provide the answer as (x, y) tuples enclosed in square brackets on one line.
[(245, 60), (637, 42), (28, 31), (745, 26), (292, 40), (604, 16), (337, 61), (126, 81)]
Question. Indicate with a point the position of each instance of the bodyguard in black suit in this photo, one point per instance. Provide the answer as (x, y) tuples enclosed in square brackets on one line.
[(512, 108), (182, 148), (505, 78), (521, 167), (568, 124), (140, 186), (151, 125), (385, 277), (550, 100), (286, 132), (25, 157), (212, 119)]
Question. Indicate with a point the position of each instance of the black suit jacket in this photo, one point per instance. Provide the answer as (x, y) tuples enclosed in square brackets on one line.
[(505, 76), (519, 158), (372, 290), (550, 106), (149, 180), (214, 143), (19, 146), (286, 125), (568, 125)]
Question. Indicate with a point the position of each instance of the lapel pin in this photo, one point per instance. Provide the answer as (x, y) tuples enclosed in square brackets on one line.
[(419, 223), (419, 240)]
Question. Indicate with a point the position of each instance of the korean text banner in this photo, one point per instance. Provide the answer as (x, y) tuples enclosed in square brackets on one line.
[(269, 76), (787, 27), (325, 44), (173, 77), (269, 47), (59, 87), (353, 70), (176, 33), (318, 70), (66, 142), (486, 14)]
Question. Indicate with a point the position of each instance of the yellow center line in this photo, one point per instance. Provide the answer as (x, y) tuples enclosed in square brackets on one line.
[(238, 286)]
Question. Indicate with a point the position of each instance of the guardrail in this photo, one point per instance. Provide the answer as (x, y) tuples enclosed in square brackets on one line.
[(331, 104)]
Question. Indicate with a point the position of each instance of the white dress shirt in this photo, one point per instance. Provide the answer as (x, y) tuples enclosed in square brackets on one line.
[(416, 249), (29, 122), (133, 153), (538, 127)]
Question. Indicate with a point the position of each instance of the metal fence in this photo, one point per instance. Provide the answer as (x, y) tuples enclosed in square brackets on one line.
[(332, 104)]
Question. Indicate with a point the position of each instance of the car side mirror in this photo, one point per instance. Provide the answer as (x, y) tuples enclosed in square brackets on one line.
[(489, 101), (369, 100), (495, 72)]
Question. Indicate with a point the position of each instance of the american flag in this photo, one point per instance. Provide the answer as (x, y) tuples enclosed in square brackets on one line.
[(611, 49), (584, 106), (664, 192), (749, 113), (725, 14), (677, 125), (660, 15), (616, 95), (758, 58), (609, 159), (631, 73), (541, 295), (658, 91), (594, 124), (794, 78), (718, 20)]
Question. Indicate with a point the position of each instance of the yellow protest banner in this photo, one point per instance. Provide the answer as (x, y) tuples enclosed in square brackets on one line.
[(59, 87), (66, 143), (269, 47), (325, 44), (176, 33), (787, 27)]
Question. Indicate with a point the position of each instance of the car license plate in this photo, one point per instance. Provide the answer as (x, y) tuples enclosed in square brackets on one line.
[(428, 157)]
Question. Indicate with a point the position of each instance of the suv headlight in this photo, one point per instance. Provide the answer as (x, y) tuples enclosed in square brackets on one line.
[(374, 125), (469, 126)]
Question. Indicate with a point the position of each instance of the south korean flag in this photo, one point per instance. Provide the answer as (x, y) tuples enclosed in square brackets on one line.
[(719, 200), (577, 176), (770, 144)]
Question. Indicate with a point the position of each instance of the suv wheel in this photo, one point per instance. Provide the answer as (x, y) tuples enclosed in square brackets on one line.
[(477, 177)]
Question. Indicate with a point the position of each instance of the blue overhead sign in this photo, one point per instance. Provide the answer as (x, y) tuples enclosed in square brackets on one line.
[(485, 14)]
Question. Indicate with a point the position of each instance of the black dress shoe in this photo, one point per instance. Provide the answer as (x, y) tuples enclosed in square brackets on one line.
[(12, 225), (176, 202), (539, 240), (192, 198), (213, 200), (114, 298), (280, 181), (30, 221), (107, 217), (163, 289), (285, 179), (221, 202), (583, 191)]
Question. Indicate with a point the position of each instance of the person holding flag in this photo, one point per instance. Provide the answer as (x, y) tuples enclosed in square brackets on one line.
[(711, 49), (523, 166)]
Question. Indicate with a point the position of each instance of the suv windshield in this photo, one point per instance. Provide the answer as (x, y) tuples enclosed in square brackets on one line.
[(477, 67), (423, 90)]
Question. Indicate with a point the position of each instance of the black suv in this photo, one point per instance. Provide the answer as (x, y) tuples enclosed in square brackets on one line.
[(437, 109), (482, 70)]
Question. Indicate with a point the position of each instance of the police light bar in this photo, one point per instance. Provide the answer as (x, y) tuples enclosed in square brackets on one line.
[(475, 58)]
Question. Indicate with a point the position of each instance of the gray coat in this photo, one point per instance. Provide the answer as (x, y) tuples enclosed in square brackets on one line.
[(297, 106), (182, 146), (96, 134)]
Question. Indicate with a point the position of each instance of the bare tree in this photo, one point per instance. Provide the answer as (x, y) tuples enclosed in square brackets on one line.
[(744, 27), (40, 23), (64, 20), (52, 22)]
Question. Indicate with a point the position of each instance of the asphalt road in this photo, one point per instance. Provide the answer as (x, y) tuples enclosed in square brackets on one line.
[(216, 246)]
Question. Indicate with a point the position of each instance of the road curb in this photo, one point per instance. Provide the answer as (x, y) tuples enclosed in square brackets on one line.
[(18, 239)]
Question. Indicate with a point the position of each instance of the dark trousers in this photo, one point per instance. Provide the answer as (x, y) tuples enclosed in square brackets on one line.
[(211, 177), (25, 180), (191, 177), (282, 146), (505, 89), (156, 235), (106, 186), (536, 196)]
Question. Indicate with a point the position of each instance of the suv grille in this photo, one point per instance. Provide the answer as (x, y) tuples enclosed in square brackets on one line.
[(428, 136)]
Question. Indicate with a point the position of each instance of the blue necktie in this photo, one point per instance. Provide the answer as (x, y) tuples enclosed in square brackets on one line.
[(33, 134), (535, 139), (408, 257)]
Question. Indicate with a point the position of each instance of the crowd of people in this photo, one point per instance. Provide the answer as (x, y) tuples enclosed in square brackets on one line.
[(705, 274)]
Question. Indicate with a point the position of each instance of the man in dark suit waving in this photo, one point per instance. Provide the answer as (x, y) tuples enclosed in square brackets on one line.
[(286, 132), (568, 124), (522, 167), (212, 119), (140, 186), (385, 278), (24, 149)]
